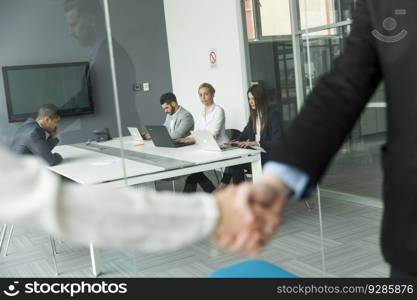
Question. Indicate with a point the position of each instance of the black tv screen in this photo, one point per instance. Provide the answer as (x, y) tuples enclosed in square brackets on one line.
[(64, 85)]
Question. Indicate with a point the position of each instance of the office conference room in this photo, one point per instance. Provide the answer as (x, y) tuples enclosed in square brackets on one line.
[(56, 52)]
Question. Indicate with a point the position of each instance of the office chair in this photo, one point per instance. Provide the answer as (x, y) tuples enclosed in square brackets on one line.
[(232, 134)]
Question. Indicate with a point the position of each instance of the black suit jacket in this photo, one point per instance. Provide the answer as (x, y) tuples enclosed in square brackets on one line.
[(337, 101), (270, 135), (30, 138)]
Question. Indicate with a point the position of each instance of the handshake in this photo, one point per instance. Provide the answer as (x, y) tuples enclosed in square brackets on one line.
[(250, 215)]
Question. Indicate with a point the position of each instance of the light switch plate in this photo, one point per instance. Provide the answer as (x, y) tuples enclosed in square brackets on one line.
[(146, 87)]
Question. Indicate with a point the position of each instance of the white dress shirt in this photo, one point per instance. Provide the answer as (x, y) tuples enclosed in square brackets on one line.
[(172, 119), (258, 129), (214, 121), (34, 197)]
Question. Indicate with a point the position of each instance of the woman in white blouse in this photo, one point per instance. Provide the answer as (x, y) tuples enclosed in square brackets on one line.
[(212, 119)]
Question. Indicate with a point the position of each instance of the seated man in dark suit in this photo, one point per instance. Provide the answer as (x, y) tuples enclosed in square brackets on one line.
[(31, 138)]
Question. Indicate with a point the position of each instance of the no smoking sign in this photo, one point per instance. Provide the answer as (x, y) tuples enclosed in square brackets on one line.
[(213, 58)]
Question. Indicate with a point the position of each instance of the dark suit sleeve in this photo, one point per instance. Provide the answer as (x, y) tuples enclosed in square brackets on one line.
[(274, 130), (52, 142), (40, 147), (335, 103)]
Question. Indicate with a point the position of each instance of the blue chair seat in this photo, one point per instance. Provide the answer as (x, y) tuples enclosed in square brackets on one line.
[(252, 269)]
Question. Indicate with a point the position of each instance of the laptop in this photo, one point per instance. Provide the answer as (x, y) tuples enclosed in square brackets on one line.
[(206, 141), (161, 138), (134, 132)]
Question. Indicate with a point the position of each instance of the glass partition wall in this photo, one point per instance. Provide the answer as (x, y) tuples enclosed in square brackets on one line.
[(291, 43), (351, 190), (58, 53), (124, 45), (273, 62)]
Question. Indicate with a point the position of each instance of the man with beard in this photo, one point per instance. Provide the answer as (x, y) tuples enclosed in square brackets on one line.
[(179, 121)]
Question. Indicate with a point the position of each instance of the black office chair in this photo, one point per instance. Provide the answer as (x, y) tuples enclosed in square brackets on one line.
[(233, 134)]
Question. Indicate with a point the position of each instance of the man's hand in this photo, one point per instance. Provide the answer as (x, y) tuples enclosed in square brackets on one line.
[(245, 225), (248, 144), (259, 207), (54, 132), (146, 136), (271, 193), (243, 144), (187, 140)]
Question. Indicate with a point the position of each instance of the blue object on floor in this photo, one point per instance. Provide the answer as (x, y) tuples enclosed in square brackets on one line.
[(252, 269)]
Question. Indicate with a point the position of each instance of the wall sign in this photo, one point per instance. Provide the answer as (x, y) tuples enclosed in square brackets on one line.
[(213, 57)]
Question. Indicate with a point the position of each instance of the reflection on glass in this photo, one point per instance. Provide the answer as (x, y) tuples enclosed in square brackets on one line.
[(318, 53), (344, 9), (275, 17), (271, 18), (249, 16), (315, 13), (351, 188), (63, 45), (85, 20), (272, 65), (355, 171)]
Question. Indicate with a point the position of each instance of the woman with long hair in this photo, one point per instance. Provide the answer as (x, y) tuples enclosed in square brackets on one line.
[(262, 130)]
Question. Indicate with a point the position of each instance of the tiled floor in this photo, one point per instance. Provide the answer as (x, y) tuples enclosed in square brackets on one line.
[(350, 244)]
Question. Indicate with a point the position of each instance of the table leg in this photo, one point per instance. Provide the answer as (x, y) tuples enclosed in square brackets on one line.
[(3, 233), (95, 260), (256, 170)]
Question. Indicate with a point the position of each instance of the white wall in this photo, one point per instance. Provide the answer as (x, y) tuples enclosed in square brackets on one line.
[(194, 27)]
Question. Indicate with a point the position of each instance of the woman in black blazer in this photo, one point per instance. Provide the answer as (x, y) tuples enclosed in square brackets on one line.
[(263, 130)]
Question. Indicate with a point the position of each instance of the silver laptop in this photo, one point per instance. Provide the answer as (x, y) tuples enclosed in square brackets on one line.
[(134, 132), (206, 141)]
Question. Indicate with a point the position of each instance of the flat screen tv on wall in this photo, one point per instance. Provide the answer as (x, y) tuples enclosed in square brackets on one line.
[(65, 85)]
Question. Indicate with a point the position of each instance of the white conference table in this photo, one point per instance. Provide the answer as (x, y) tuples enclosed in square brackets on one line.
[(101, 164)]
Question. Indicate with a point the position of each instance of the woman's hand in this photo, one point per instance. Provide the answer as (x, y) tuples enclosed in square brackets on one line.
[(247, 144), (187, 140)]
